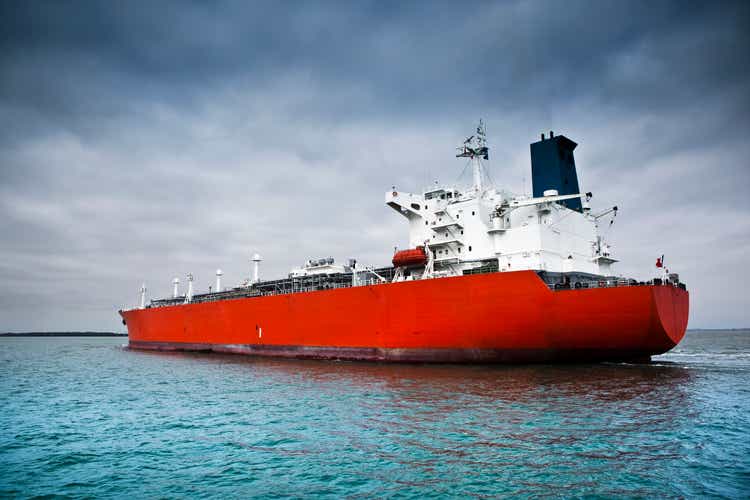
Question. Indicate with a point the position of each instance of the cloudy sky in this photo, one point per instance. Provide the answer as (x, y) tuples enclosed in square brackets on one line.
[(143, 140)]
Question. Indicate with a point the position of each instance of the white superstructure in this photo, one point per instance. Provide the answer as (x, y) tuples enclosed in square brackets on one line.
[(465, 228)]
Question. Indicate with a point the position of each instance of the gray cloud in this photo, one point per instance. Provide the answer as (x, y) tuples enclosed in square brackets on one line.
[(141, 141)]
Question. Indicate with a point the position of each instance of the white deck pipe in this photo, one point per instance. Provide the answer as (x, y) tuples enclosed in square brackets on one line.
[(176, 291), (143, 296), (219, 274)]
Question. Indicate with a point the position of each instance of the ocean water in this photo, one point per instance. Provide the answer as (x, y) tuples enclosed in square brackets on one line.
[(83, 417)]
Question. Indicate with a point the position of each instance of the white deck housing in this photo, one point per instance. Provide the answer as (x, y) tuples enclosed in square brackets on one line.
[(461, 228)]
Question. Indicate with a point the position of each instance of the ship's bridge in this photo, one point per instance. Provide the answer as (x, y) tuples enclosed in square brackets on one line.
[(442, 194)]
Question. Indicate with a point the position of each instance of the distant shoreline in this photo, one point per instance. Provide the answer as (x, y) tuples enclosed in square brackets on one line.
[(717, 329), (64, 334)]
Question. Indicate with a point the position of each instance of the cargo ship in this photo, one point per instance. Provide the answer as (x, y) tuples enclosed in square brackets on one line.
[(489, 277)]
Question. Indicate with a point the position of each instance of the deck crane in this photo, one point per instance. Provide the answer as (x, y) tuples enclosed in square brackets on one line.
[(612, 210), (606, 212)]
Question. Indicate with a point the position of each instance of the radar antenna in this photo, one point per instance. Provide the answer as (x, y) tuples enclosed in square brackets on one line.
[(475, 148)]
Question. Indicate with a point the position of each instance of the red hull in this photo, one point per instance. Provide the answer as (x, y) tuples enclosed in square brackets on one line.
[(497, 317)]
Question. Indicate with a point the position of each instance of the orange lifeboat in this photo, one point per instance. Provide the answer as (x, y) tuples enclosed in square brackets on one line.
[(411, 257)]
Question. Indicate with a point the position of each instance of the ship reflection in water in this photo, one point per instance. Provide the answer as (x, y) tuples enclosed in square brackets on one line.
[(113, 421), (483, 430)]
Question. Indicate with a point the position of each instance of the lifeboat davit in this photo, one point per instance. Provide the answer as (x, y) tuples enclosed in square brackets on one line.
[(411, 257)]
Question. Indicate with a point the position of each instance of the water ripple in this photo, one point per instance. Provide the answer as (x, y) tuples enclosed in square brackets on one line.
[(85, 417)]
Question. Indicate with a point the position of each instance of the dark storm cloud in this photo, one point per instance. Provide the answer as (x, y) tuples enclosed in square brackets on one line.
[(146, 140), (505, 54)]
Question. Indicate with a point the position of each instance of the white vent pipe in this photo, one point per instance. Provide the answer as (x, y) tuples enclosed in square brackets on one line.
[(219, 274), (256, 262), (189, 295)]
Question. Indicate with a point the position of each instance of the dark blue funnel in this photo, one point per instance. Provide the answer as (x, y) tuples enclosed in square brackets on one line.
[(553, 167)]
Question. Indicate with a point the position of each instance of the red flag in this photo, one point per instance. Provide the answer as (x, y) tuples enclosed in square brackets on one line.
[(660, 261)]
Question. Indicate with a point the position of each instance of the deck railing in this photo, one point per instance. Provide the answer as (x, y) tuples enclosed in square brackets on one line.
[(291, 286), (613, 283)]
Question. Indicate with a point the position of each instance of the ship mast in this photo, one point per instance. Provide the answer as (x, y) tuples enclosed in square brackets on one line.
[(475, 148)]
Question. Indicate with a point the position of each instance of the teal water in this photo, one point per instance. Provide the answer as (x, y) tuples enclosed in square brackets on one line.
[(84, 417)]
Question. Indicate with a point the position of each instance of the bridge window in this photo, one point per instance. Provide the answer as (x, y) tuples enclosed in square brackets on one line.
[(415, 206)]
